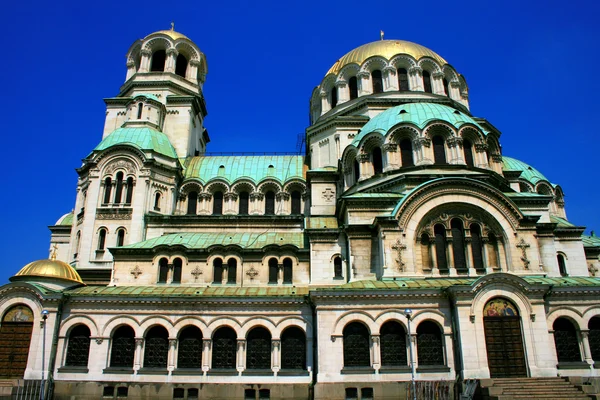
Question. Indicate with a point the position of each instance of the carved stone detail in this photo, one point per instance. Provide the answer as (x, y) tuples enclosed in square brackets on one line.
[(128, 166)]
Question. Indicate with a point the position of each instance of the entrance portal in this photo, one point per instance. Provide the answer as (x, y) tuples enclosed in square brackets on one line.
[(15, 336), (503, 338)]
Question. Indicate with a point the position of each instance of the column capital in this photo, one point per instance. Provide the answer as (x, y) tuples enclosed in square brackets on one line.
[(139, 341)]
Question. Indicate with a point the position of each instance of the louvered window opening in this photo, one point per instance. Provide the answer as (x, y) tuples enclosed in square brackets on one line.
[(78, 349), (293, 349)]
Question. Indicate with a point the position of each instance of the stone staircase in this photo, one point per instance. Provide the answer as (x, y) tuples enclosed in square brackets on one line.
[(535, 388)]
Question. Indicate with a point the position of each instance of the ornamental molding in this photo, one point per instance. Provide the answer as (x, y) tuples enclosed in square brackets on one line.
[(130, 64), (390, 147), (113, 214), (340, 83), (364, 75), (454, 141), (363, 157), (422, 141), (454, 83), (415, 70), (282, 196), (438, 74), (146, 52), (230, 196), (126, 165), (455, 187), (323, 142), (481, 147)]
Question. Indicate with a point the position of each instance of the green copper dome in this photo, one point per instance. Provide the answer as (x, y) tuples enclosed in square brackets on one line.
[(528, 173), (142, 138), (418, 114)]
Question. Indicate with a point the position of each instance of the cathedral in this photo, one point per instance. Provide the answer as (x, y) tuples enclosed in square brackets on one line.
[(401, 254)]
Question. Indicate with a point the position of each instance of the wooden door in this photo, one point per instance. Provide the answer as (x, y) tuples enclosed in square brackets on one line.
[(504, 345), (14, 348)]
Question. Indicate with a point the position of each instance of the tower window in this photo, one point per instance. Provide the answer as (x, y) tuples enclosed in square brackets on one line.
[(231, 270), (296, 203), (337, 267), (445, 82), (477, 247), (101, 239), (243, 205), (181, 65), (334, 97), (217, 203), (119, 188), (402, 79), (273, 270), (562, 266), (356, 170), (468, 150), (217, 270), (158, 61), (129, 193), (287, 270), (192, 203), (120, 237), (377, 160), (163, 270), (140, 109), (157, 201), (377, 81), (270, 203), (440, 248), (353, 87), (458, 245), (177, 265), (439, 152), (107, 190), (406, 153), (427, 82)]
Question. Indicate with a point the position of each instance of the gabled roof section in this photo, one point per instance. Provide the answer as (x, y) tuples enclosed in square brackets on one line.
[(208, 239), (418, 114), (143, 138), (254, 168), (591, 240)]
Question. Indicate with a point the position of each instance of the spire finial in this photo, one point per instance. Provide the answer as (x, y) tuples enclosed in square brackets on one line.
[(381, 33), (53, 252), (172, 25)]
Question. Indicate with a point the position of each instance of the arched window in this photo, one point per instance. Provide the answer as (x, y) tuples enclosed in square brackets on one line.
[(181, 65), (107, 189), (129, 193), (458, 245), (287, 270), (157, 201), (562, 266), (119, 188), (123, 347), (446, 91), (468, 150), (77, 244), (163, 270), (120, 237), (440, 248), (273, 270), (594, 337), (296, 203), (565, 339), (231, 270), (156, 348), (439, 151), (427, 82), (177, 266), (333, 96), (189, 348), (356, 170), (78, 348), (270, 203), (224, 345), (377, 81), (429, 344), (258, 353), (337, 267), (217, 270), (392, 337), (293, 349), (243, 204), (353, 87), (217, 203), (158, 61), (406, 153), (101, 239), (357, 351), (477, 247), (377, 160), (192, 203), (402, 80), (140, 109)]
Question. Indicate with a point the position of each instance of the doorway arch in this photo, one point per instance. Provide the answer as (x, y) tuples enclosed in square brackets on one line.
[(15, 337), (504, 339)]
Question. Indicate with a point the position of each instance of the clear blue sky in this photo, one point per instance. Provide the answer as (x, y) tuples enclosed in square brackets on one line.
[(531, 67)]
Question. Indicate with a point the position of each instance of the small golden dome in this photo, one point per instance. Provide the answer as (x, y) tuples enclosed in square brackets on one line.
[(386, 49), (172, 34), (49, 269)]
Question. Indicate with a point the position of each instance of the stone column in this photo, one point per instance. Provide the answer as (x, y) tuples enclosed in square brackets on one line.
[(325, 106), (137, 357), (282, 204), (230, 199), (145, 61), (192, 72), (480, 152), (363, 160), (343, 91), (587, 352), (454, 88), (255, 202), (415, 79), (172, 354), (469, 256), (450, 256), (485, 242), (364, 85), (130, 69), (206, 354), (279, 274), (241, 355), (275, 355), (419, 145), (376, 355), (171, 60), (391, 155), (438, 84), (448, 350), (390, 79), (412, 342), (455, 145)]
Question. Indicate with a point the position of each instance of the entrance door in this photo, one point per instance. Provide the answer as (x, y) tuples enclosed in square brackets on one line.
[(503, 338), (15, 336)]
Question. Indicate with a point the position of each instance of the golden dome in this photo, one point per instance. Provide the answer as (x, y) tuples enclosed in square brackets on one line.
[(49, 269), (386, 49), (172, 34)]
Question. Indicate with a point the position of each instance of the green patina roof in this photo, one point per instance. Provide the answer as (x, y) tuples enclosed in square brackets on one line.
[(254, 168), (374, 195), (208, 239), (189, 291), (562, 223), (321, 223), (147, 95), (528, 173), (142, 138), (65, 220), (419, 114), (591, 241)]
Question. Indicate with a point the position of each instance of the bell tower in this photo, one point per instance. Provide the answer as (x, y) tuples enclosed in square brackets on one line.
[(163, 90)]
